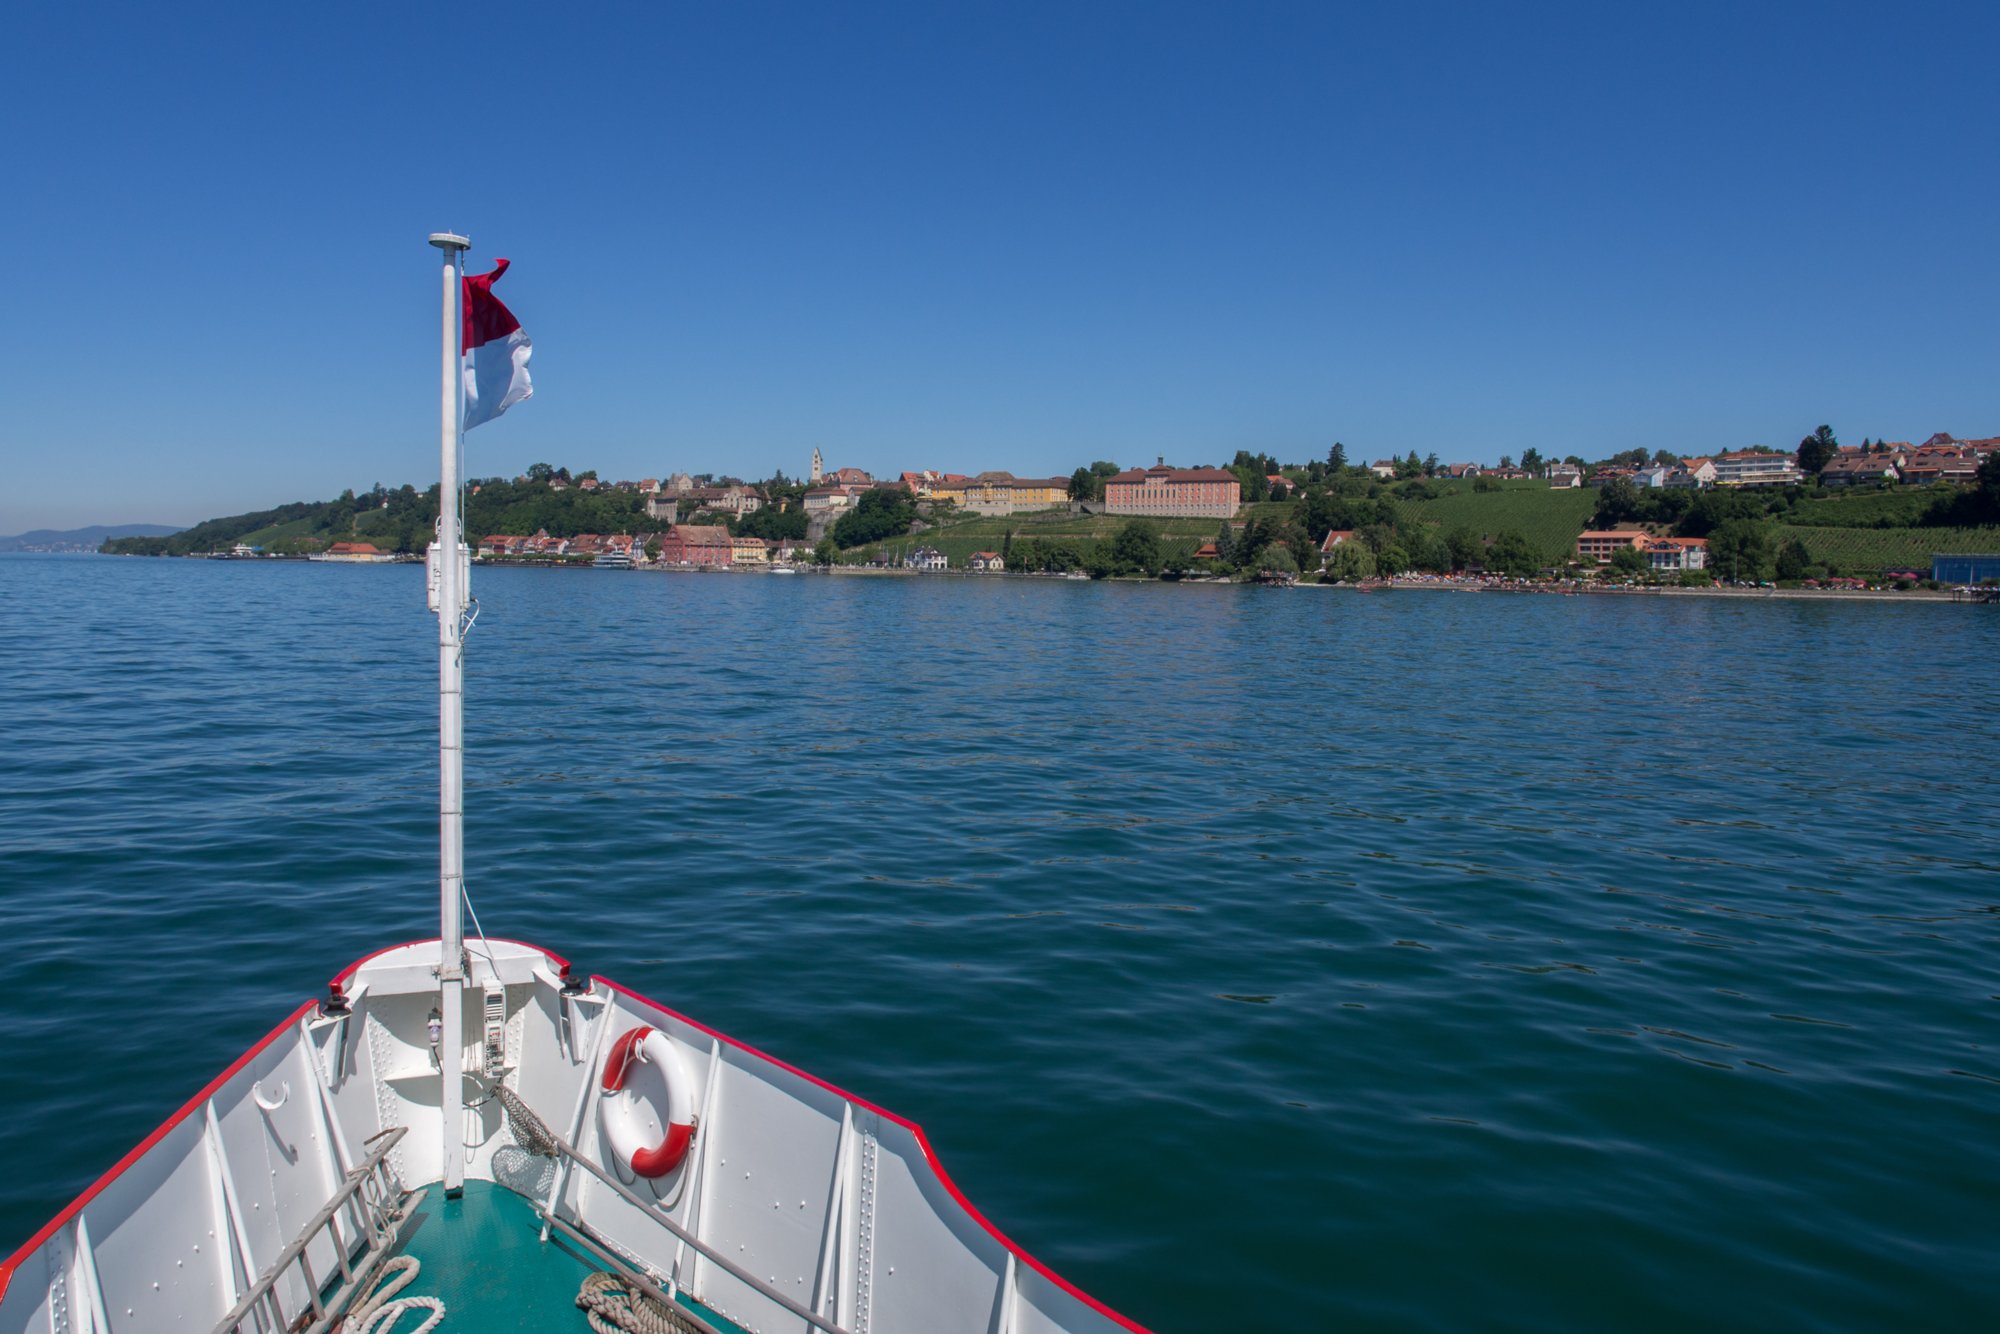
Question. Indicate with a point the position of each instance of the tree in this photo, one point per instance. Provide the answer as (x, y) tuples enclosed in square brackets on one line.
[(1323, 512), (1665, 458), (1506, 460), (1427, 549), (1739, 549), (1412, 466), (1430, 465), (1083, 485), (1793, 558), (1617, 502), (1627, 560), (1379, 536), (1278, 559), (1280, 491), (1817, 450), (1225, 545), (1256, 533), (881, 514), (1465, 548), (540, 472), (1531, 459), (654, 545), (773, 524), (1349, 562), (1007, 547), (826, 553), (1513, 555), (1336, 458), (1136, 548), (1305, 553)]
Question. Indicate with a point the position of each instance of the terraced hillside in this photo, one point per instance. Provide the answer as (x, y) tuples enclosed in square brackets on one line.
[(959, 540), (1867, 551), (1548, 518)]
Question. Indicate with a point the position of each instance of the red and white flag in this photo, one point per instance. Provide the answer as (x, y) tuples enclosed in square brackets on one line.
[(494, 349)]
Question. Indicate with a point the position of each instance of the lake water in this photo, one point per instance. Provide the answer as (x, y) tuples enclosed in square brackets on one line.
[(1258, 959)]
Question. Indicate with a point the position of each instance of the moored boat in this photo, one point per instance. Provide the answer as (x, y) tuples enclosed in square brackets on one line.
[(470, 1131)]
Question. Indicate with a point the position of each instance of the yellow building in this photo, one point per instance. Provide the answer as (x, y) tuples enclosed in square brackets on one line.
[(1004, 493), (748, 551), (949, 488)]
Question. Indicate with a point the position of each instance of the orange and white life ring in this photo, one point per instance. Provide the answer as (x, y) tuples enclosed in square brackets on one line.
[(648, 1105)]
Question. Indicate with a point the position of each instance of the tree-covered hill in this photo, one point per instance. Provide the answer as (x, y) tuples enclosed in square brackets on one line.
[(403, 520)]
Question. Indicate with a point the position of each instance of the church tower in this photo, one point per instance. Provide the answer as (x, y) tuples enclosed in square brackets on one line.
[(819, 467)]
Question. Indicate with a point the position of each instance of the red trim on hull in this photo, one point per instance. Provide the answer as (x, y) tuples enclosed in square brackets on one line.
[(75, 1206), (34, 1243), (923, 1142)]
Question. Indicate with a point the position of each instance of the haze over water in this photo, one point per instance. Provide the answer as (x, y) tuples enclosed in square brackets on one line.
[(1256, 959)]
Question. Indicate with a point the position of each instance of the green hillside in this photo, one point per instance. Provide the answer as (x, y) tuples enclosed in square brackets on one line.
[(1868, 551), (1548, 518), (960, 539)]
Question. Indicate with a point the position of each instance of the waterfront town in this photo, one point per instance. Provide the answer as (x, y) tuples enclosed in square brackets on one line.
[(1821, 515)]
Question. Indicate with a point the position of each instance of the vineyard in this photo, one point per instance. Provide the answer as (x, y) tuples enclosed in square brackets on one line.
[(1548, 518), (1867, 551), (960, 540)]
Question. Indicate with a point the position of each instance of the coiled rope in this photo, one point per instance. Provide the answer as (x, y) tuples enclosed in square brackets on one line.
[(614, 1307), (377, 1313)]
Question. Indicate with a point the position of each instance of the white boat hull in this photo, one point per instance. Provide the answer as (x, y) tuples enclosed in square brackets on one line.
[(839, 1206)]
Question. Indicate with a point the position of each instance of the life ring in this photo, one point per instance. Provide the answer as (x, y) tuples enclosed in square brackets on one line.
[(648, 1105)]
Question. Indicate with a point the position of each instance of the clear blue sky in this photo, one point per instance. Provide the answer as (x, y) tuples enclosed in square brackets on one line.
[(967, 235)]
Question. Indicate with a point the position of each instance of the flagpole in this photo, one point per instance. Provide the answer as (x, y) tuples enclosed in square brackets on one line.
[(451, 741)]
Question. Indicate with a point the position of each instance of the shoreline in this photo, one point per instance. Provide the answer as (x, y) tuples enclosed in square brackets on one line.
[(1441, 584)]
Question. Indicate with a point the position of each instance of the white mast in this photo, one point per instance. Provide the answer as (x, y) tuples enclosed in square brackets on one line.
[(451, 739)]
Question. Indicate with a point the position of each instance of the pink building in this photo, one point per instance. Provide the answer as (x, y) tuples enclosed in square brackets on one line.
[(1164, 491), (697, 544)]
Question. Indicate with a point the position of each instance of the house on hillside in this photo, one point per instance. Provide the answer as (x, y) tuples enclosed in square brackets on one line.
[(1756, 467), (1672, 555), (1599, 547), (1693, 474), (1185, 492), (986, 562), (1333, 539), (925, 558), (1859, 466)]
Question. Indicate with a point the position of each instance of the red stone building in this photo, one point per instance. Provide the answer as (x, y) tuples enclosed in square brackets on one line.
[(697, 544), (1186, 492)]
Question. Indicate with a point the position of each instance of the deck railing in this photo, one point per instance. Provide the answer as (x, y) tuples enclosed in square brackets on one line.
[(583, 1233), (376, 1205)]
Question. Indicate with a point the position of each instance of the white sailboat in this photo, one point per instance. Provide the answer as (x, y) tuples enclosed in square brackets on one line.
[(471, 1132)]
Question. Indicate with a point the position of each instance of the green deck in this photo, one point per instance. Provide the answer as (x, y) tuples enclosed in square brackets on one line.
[(482, 1255)]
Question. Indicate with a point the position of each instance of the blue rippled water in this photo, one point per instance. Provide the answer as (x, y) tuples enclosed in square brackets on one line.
[(1282, 960)]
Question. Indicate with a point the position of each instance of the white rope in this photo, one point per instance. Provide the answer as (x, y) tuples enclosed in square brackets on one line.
[(377, 1313), (615, 1307)]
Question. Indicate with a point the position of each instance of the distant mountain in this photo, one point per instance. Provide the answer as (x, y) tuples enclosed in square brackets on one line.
[(82, 539)]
